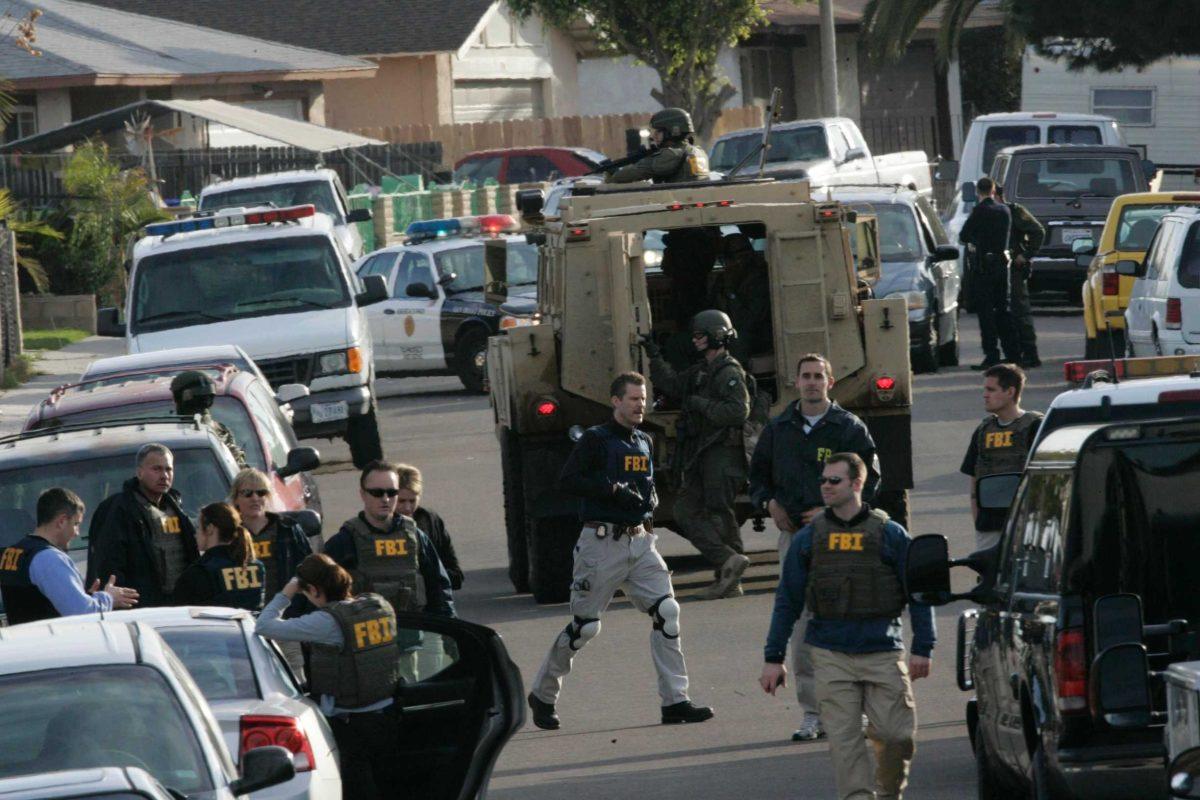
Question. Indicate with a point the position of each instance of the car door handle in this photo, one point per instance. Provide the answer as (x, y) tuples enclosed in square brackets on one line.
[(389, 311)]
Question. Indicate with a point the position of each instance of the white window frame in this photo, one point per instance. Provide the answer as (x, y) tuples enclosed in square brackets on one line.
[(1114, 111)]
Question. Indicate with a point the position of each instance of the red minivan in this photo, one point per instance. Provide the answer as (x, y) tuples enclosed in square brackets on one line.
[(527, 164)]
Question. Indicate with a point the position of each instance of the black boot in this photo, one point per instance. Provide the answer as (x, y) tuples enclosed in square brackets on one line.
[(987, 363), (544, 715), (685, 712)]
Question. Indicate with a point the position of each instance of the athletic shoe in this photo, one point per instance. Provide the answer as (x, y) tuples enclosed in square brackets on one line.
[(685, 711), (544, 715), (810, 729)]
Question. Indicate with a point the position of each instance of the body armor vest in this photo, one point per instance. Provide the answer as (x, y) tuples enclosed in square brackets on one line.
[(366, 668), (264, 550), (166, 535), (626, 460), (1004, 448), (847, 578), (388, 563), (234, 585), (23, 601)]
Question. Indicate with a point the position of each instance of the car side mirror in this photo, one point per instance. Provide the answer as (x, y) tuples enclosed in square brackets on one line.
[(1127, 266), (359, 215), (419, 289), (108, 322), (308, 520), (1149, 169), (1184, 774), (946, 171), (263, 767), (1119, 687), (1116, 619), (374, 291), (945, 252), (969, 196), (853, 154), (996, 492), (291, 392), (299, 459), (447, 278), (927, 570)]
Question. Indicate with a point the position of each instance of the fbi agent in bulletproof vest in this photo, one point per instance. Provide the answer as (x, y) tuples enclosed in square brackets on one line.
[(611, 471), (987, 230), (280, 541), (386, 553), (848, 564), (227, 573), (675, 158), (194, 395), (354, 671), (141, 534), (38, 580)]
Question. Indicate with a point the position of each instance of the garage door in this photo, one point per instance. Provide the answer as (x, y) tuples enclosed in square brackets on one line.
[(483, 101)]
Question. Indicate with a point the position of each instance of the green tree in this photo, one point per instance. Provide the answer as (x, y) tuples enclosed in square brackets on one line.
[(678, 39)]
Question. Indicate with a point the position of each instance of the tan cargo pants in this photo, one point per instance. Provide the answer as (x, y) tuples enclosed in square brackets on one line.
[(802, 667), (877, 684)]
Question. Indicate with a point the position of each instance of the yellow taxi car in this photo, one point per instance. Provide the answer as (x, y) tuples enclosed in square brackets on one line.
[(1130, 225)]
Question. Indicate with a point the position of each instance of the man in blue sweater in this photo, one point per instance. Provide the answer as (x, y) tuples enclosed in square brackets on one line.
[(847, 565)]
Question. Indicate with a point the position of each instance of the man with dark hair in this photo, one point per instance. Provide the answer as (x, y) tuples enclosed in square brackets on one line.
[(386, 553), (1024, 240), (611, 471), (38, 580), (848, 566), (141, 535), (987, 230), (1000, 444), (785, 482)]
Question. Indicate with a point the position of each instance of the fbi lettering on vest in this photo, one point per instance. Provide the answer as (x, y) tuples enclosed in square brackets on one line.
[(998, 439), (846, 542), (391, 547), (637, 463), (372, 632), (262, 549), (9, 559), (241, 578)]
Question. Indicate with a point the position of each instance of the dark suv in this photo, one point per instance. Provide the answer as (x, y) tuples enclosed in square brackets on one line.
[(1101, 510)]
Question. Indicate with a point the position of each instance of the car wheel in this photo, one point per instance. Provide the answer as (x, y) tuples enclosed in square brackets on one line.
[(471, 358), (988, 784), (551, 545), (514, 511), (924, 358), (948, 351), (362, 434), (1039, 775)]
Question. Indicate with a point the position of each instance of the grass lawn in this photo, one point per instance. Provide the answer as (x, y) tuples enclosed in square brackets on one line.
[(52, 339), (19, 372)]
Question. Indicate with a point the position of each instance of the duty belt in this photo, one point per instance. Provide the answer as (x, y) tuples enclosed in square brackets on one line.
[(602, 529)]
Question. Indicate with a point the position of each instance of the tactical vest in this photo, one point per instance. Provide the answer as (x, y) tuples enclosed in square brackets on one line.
[(847, 578), (264, 550), (626, 460), (166, 536), (709, 382), (388, 563), (234, 585), (1004, 448), (366, 668), (23, 601), (692, 164)]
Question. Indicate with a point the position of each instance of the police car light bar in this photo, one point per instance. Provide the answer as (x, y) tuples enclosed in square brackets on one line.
[(447, 227), (1154, 366), (230, 219), (433, 229)]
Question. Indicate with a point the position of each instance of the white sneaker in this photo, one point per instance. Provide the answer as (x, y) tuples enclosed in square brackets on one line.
[(810, 728)]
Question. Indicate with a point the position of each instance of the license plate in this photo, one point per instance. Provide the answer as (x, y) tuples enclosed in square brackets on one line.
[(1069, 235), (329, 412)]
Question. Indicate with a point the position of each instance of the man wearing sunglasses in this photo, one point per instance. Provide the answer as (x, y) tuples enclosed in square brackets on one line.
[(847, 565), (386, 552)]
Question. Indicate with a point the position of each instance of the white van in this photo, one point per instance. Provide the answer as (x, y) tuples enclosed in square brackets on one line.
[(991, 133), (276, 282), (1163, 317)]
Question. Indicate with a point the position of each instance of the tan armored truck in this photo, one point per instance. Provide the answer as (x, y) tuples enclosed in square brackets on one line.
[(605, 279)]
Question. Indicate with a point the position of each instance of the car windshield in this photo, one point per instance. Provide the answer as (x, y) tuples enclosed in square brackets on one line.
[(296, 193), (522, 262), (1137, 225), (236, 280), (899, 239), (226, 410), (199, 477), (217, 658), (1075, 177), (99, 716), (465, 263), (796, 144)]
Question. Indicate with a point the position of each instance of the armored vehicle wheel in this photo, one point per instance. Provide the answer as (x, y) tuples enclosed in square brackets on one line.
[(514, 511), (551, 545), (471, 358), (362, 434)]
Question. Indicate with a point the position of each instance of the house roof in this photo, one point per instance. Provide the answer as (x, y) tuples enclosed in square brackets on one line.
[(347, 27), (850, 12), (303, 135), (86, 45)]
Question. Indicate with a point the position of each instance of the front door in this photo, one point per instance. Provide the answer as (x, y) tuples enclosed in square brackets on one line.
[(412, 339)]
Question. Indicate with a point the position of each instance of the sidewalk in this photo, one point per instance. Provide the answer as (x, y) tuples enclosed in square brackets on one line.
[(56, 367)]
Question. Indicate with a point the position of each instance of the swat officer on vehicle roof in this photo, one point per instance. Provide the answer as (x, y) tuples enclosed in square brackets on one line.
[(194, 394), (674, 158)]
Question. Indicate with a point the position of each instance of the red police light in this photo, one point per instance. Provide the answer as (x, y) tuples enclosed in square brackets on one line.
[(1076, 371), (885, 384), (497, 223), (579, 234), (546, 408)]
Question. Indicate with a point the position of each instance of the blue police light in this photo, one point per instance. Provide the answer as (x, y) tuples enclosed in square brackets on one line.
[(433, 229), (180, 226)]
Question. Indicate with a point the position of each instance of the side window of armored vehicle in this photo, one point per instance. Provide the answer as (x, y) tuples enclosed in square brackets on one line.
[(1039, 563)]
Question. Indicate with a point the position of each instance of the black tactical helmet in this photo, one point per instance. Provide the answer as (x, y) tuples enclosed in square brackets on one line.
[(675, 123), (193, 392), (716, 325)]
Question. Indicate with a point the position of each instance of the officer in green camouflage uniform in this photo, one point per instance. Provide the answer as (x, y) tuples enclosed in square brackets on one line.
[(710, 456), (675, 158), (1025, 237), (194, 395)]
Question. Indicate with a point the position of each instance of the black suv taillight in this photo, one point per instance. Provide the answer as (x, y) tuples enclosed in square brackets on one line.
[(1070, 671)]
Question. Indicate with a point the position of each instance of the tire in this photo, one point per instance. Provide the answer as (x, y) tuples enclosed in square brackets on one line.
[(470, 359), (948, 351), (514, 511), (551, 545), (924, 358), (1043, 787), (988, 784), (362, 434)]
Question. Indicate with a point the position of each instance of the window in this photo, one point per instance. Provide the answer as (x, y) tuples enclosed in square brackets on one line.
[(217, 658), (478, 170), (1012, 537), (1189, 261), (1074, 177), (796, 144), (899, 239), (465, 264), (22, 122), (377, 265), (1001, 136), (1127, 106), (1039, 559), (414, 268), (531, 169), (1073, 134), (999, 169), (298, 193), (1137, 224), (838, 144), (270, 420)]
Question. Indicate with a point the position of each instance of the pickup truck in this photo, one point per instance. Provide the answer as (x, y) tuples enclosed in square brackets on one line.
[(827, 152)]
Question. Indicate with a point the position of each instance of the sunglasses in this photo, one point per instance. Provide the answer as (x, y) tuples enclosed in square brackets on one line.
[(831, 481), (253, 492), (382, 492)]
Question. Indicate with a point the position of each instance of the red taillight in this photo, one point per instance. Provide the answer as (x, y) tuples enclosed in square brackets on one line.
[(1070, 670), (546, 408), (1179, 396), (1174, 318), (1112, 284), (885, 384), (262, 731), (580, 234), (1076, 371), (675, 207)]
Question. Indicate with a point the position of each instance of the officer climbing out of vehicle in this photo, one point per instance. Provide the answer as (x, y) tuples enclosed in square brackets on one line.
[(987, 230), (1000, 444), (227, 574), (194, 395), (355, 671), (848, 565), (711, 455), (1024, 240), (743, 291), (611, 471), (674, 158), (38, 580)]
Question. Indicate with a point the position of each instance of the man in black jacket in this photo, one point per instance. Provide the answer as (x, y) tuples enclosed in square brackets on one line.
[(987, 230), (141, 534)]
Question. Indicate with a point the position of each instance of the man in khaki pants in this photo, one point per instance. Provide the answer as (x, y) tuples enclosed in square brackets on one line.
[(848, 566)]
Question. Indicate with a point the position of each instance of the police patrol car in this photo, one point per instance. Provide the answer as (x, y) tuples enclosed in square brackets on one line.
[(444, 301)]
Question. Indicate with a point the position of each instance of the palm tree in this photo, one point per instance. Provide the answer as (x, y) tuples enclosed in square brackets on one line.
[(889, 25)]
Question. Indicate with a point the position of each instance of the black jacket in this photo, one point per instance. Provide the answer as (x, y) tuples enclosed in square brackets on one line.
[(987, 227), (291, 547), (120, 543), (435, 529)]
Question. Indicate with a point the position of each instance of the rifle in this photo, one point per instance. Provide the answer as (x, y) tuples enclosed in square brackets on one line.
[(772, 114), (611, 166)]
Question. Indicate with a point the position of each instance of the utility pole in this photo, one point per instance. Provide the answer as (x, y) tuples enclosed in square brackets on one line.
[(829, 76)]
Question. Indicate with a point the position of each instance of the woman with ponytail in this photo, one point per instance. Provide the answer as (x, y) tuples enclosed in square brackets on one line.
[(227, 573)]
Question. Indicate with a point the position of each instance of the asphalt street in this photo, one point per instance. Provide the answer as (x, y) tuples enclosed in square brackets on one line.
[(611, 745)]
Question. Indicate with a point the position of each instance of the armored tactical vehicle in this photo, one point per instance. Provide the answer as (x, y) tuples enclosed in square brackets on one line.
[(598, 293)]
